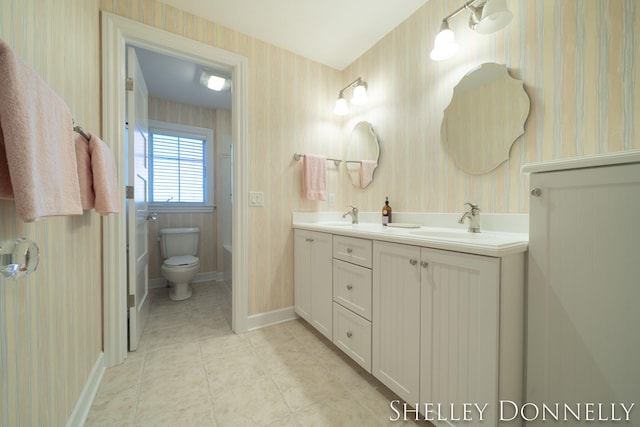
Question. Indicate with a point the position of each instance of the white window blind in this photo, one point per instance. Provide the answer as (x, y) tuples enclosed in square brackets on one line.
[(180, 168)]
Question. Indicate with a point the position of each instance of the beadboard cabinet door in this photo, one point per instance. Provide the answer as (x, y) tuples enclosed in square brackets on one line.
[(396, 318), (313, 281), (460, 314)]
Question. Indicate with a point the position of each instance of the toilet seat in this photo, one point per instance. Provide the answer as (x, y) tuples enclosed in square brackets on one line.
[(181, 261)]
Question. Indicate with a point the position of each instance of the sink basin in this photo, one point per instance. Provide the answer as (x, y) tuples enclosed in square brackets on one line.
[(336, 224), (452, 234), (363, 226)]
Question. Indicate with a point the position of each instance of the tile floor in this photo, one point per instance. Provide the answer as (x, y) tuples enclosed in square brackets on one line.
[(191, 370)]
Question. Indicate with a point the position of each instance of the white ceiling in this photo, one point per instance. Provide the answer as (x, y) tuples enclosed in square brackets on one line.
[(331, 32), (175, 79)]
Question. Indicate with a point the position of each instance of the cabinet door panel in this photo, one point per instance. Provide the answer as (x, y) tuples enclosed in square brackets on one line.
[(313, 282), (396, 318), (301, 273), (460, 314), (322, 283)]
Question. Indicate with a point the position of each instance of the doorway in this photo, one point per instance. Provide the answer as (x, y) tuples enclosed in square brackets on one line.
[(117, 32)]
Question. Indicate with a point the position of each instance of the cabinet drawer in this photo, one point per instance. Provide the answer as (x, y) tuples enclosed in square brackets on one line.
[(353, 250), (352, 287), (352, 334)]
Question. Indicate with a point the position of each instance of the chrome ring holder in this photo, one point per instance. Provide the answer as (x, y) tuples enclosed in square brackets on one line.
[(18, 258)]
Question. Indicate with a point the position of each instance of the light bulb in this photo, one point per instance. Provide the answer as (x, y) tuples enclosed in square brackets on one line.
[(216, 83)]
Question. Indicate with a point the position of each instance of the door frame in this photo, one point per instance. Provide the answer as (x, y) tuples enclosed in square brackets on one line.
[(117, 32)]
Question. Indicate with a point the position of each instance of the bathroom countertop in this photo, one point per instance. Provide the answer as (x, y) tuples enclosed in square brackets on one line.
[(488, 243)]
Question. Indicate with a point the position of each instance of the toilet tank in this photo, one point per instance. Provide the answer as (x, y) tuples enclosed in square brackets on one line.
[(179, 241)]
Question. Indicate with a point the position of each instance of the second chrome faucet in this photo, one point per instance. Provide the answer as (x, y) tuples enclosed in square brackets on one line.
[(473, 213)]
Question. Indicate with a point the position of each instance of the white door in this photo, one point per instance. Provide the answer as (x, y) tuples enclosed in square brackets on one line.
[(137, 209)]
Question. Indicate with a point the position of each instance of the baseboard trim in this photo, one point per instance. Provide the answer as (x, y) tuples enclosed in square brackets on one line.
[(269, 318), (83, 405), (210, 276)]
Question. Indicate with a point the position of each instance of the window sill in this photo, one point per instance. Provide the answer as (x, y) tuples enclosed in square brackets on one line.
[(181, 209)]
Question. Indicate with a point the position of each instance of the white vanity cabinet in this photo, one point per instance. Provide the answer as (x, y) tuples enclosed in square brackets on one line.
[(352, 298), (583, 343), (448, 327), (439, 321), (312, 277)]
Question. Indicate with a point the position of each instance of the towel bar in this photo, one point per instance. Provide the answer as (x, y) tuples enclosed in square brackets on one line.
[(297, 156), (82, 132)]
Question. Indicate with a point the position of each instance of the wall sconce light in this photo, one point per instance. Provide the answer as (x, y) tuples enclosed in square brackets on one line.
[(213, 81), (358, 97), (486, 18)]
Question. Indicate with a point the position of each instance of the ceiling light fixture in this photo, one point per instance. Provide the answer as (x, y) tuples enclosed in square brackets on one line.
[(213, 81), (358, 97), (486, 17)]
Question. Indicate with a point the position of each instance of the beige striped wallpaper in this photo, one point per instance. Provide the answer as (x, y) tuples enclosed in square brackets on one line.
[(578, 61), (50, 323), (191, 115)]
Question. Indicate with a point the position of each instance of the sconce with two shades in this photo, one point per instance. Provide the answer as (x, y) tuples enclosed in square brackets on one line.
[(486, 18), (358, 97)]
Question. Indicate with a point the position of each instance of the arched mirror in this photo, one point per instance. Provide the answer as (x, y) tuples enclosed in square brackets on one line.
[(363, 154), (486, 115)]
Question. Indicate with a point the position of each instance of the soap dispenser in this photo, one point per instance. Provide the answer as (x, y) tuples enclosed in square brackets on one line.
[(386, 212)]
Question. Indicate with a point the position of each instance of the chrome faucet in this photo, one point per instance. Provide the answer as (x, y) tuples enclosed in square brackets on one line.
[(354, 214), (473, 213)]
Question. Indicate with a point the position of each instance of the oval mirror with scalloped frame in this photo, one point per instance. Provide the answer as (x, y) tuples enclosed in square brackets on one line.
[(486, 115), (363, 154)]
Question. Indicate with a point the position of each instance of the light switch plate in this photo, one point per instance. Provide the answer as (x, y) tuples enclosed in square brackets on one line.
[(256, 198)]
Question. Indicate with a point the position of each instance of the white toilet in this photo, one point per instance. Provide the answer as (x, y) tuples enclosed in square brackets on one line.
[(179, 247)]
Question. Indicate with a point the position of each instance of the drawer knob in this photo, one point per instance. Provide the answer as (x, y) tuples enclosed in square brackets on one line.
[(349, 334), (536, 192), (424, 264), (349, 250), (413, 261), (349, 286)]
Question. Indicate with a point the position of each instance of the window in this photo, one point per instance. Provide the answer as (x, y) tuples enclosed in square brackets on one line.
[(180, 168)]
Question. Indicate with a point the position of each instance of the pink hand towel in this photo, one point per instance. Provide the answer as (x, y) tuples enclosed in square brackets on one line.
[(37, 156), (314, 177), (366, 171), (105, 177)]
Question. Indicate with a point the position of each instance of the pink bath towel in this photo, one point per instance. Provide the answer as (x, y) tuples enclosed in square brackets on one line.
[(366, 171), (105, 177), (37, 155), (314, 177)]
